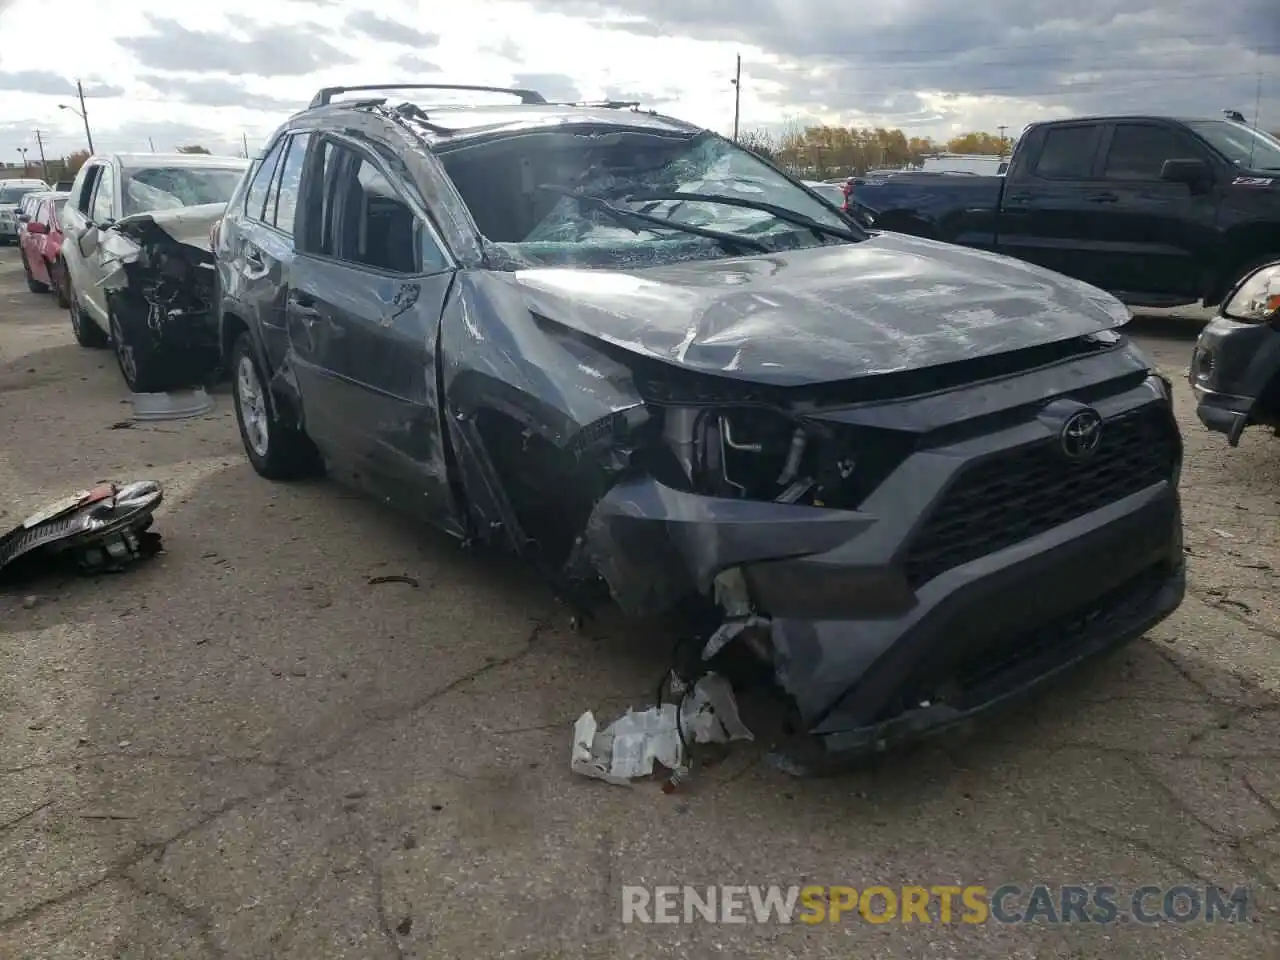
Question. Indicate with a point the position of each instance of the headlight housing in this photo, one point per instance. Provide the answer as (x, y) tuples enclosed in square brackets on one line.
[(1257, 299)]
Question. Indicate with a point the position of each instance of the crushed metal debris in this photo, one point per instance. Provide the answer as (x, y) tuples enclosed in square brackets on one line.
[(99, 530)]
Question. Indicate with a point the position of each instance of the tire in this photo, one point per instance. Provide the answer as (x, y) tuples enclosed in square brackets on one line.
[(58, 281), (34, 285), (88, 333), (275, 451), (144, 368)]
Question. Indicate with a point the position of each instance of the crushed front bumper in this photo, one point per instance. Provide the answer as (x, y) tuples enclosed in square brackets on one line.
[(1231, 366), (872, 645)]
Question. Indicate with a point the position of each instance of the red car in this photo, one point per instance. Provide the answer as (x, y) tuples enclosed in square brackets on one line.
[(40, 242)]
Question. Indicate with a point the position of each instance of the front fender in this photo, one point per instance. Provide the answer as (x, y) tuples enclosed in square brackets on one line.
[(523, 401)]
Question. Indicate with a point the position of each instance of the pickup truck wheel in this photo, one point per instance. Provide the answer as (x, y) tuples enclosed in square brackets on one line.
[(88, 333), (58, 280), (145, 369), (34, 285), (274, 450)]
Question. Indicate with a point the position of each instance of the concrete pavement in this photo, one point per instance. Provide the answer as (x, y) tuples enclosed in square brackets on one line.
[(243, 749)]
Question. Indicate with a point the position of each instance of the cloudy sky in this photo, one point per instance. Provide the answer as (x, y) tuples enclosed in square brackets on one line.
[(232, 69)]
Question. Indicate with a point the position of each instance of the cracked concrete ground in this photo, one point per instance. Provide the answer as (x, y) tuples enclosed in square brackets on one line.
[(243, 749)]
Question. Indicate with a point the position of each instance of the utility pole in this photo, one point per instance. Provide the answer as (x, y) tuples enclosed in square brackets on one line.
[(244, 138), (1002, 128), (152, 144), (737, 97), (23, 151), (1257, 109), (84, 115), (44, 164)]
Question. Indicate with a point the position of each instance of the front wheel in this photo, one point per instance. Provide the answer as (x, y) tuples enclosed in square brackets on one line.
[(275, 451), (145, 368)]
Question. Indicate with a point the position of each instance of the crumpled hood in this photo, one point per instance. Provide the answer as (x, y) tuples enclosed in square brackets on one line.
[(890, 303), (186, 225), (122, 242)]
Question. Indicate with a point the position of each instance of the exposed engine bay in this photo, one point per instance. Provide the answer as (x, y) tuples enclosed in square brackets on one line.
[(162, 293), (756, 454)]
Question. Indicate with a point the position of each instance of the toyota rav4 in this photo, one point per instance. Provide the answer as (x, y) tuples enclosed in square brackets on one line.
[(912, 480)]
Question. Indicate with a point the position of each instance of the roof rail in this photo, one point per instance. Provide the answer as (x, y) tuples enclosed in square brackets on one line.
[(325, 95), (607, 104)]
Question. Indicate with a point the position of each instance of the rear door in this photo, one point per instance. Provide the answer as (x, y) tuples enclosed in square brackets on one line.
[(367, 291), (1157, 234), (1049, 214), (75, 221), (38, 243)]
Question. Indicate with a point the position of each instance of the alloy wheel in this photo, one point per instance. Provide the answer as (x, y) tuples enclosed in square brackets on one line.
[(252, 406), (124, 352)]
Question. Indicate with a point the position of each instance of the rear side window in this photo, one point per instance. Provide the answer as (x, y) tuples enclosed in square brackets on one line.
[(1068, 153), (1138, 151), (256, 198), (288, 182)]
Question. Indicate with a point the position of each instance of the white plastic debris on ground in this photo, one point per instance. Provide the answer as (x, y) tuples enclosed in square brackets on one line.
[(627, 749)]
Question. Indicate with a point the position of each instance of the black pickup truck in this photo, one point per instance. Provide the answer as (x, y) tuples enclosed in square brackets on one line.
[(1158, 211)]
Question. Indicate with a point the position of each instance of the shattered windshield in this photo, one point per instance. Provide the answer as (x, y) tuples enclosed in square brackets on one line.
[(1243, 146), (612, 198), (167, 188)]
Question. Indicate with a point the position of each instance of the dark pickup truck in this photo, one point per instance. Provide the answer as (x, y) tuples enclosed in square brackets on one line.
[(1158, 211)]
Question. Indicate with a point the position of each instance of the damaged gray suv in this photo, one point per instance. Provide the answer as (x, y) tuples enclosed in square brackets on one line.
[(911, 480)]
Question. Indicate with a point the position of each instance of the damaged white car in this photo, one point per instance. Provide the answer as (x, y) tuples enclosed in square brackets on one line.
[(137, 259)]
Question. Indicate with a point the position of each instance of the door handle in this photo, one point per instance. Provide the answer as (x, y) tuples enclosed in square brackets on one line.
[(1102, 198), (254, 258), (303, 300), (1019, 198)]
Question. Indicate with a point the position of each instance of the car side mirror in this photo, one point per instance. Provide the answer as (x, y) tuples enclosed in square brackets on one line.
[(1191, 171), (88, 242), (37, 229), (23, 218)]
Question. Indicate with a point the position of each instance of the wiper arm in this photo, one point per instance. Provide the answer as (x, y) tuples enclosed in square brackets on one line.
[(782, 213), (622, 215)]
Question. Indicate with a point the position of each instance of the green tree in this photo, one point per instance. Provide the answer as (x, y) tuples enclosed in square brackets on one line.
[(193, 148)]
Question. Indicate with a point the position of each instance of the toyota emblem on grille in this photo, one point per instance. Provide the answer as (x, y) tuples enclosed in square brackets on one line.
[(1081, 434)]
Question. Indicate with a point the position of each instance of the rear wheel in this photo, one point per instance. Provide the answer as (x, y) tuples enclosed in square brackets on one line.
[(34, 285), (276, 452), (88, 333)]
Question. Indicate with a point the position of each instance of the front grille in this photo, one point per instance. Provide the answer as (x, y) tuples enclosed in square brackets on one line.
[(1020, 493)]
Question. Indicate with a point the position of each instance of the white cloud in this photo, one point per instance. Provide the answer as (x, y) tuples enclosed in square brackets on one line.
[(232, 69)]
